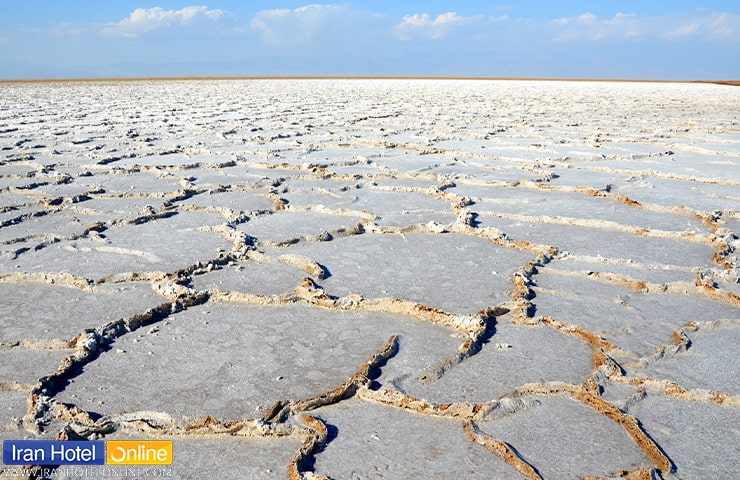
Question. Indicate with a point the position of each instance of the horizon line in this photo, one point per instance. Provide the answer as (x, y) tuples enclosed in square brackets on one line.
[(358, 77)]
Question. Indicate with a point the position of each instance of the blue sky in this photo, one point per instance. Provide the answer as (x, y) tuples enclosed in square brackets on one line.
[(676, 39)]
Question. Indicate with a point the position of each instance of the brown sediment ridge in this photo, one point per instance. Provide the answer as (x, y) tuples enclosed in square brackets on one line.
[(180, 213), (629, 423), (356, 77), (500, 449)]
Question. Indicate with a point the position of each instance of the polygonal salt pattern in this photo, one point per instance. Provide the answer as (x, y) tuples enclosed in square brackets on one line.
[(375, 278)]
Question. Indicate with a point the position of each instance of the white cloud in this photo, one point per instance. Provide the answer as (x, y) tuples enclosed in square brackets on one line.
[(710, 25), (301, 26), (589, 27), (725, 25), (701, 24), (422, 25), (144, 20), (686, 30), (586, 19)]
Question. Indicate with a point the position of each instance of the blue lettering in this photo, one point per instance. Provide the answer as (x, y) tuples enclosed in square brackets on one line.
[(53, 452)]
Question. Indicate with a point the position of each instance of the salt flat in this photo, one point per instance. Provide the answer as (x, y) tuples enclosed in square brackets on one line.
[(376, 278)]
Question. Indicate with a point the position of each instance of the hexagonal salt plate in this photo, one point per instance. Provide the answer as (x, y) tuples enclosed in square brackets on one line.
[(251, 277), (452, 272), (240, 201), (12, 410), (702, 196), (39, 312), (67, 191), (710, 363), (513, 356), (606, 243), (584, 177), (161, 245), (634, 321), (25, 366), (41, 227), (285, 226), (198, 456), (653, 273), (392, 208), (573, 205), (701, 439), (233, 361), (131, 183), (564, 439), (116, 208), (367, 440)]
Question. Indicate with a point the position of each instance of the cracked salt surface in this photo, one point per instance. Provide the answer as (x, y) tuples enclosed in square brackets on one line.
[(375, 278), (545, 437), (455, 273), (262, 354)]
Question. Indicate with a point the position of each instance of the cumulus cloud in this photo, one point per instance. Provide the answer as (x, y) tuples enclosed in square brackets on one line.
[(700, 25), (144, 20), (589, 27), (422, 25), (300, 26)]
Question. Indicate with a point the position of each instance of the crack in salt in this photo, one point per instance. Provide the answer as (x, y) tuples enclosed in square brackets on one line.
[(245, 169)]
